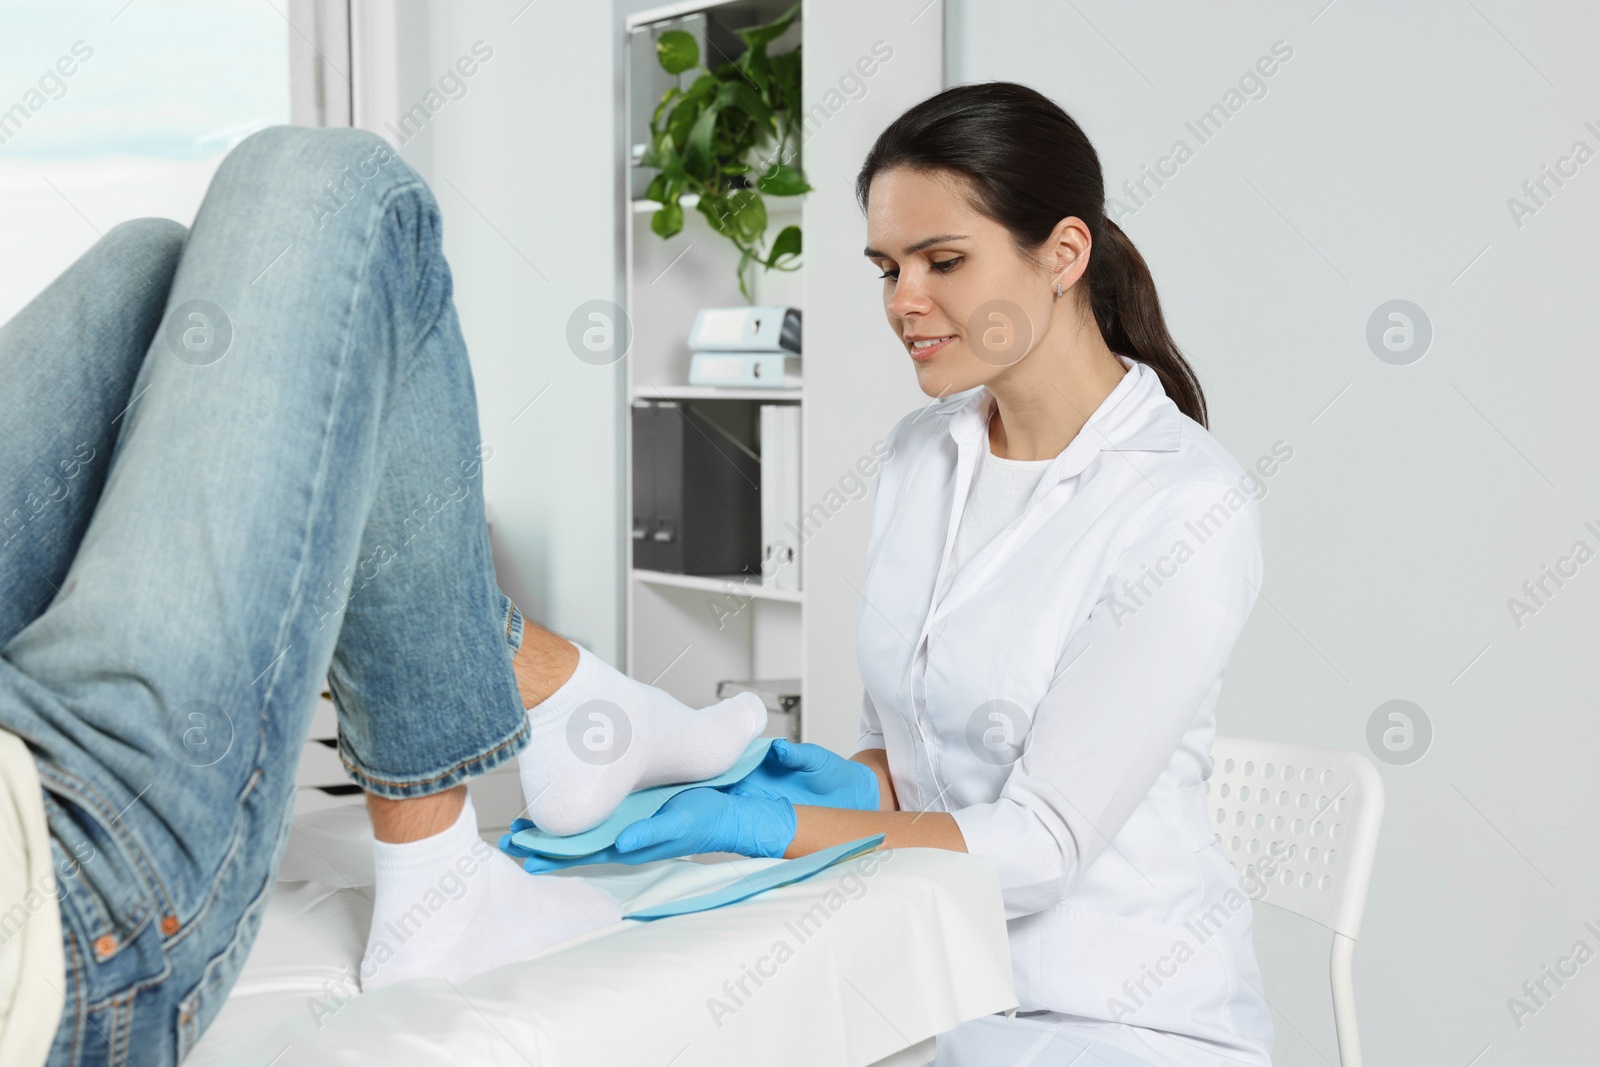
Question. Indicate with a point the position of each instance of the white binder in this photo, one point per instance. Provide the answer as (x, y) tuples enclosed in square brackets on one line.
[(780, 496), (746, 329)]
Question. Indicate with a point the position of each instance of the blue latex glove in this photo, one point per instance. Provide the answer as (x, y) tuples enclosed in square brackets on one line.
[(810, 774), (694, 821)]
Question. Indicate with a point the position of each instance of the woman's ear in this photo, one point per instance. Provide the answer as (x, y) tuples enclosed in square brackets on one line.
[(1067, 251)]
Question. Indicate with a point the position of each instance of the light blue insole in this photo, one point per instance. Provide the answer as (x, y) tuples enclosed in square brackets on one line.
[(778, 874), (640, 804)]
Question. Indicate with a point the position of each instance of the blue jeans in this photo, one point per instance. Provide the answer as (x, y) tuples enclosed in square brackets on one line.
[(238, 460)]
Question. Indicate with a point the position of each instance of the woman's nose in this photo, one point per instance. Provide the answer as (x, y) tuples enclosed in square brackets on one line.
[(910, 295)]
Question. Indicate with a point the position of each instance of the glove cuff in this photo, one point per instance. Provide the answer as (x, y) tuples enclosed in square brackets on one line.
[(865, 795), (767, 827)]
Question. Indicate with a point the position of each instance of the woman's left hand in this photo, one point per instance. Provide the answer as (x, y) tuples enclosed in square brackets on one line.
[(811, 775)]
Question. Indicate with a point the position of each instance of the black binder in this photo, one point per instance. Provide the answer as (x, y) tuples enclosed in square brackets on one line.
[(696, 489)]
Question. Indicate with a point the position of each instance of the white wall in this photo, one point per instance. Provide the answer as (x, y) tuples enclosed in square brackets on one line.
[(858, 381), (1377, 167), (523, 166)]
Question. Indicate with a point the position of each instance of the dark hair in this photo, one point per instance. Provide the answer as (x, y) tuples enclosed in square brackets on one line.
[(1030, 166)]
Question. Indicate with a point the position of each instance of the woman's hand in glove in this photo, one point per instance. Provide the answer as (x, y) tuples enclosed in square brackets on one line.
[(693, 822), (810, 774)]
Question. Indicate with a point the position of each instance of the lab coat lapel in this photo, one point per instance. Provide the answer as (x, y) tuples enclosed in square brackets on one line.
[(968, 427)]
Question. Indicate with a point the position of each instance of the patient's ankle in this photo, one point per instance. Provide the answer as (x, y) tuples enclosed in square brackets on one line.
[(396, 822), (543, 664)]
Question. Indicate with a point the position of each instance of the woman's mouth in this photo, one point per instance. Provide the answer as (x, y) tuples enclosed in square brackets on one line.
[(924, 347)]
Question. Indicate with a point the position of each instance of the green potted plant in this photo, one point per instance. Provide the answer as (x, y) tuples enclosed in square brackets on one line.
[(730, 138)]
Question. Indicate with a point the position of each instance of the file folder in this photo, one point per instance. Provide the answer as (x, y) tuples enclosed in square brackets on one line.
[(696, 493)]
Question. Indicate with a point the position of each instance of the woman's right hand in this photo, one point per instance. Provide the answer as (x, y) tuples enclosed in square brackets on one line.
[(810, 775)]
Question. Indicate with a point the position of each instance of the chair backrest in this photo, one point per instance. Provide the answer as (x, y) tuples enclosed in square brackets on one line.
[(1299, 823)]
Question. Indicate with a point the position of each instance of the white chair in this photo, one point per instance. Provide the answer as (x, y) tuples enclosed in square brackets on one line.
[(1300, 824)]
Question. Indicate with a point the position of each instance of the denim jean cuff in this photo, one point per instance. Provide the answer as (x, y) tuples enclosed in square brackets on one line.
[(513, 623), (475, 766)]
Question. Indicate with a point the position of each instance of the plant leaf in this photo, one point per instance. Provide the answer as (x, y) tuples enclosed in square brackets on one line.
[(760, 36), (702, 87), (785, 88), (717, 212), (687, 109), (786, 244), (782, 180), (678, 51), (667, 97), (739, 94), (665, 155), (749, 214), (681, 121), (758, 68), (688, 105), (744, 273), (667, 220), (697, 149), (657, 190)]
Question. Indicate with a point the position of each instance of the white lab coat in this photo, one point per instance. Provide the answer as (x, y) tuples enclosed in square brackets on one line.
[(1090, 635)]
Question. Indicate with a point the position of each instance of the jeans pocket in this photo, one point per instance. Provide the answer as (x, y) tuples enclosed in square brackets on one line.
[(132, 1024), (107, 902)]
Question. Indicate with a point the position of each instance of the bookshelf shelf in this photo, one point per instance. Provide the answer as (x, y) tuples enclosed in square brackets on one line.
[(712, 392), (776, 205), (728, 583)]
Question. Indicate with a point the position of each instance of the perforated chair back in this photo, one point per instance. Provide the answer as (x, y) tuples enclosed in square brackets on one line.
[(1300, 824)]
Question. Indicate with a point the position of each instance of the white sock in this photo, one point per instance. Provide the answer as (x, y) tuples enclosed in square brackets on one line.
[(603, 735), (452, 906)]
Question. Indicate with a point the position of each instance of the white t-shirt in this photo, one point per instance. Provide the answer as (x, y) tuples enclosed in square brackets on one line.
[(32, 967), (1000, 491)]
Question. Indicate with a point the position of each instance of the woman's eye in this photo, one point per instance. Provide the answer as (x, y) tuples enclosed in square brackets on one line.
[(892, 275), (945, 266)]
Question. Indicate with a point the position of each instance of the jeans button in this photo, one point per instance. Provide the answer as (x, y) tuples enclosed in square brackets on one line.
[(105, 945)]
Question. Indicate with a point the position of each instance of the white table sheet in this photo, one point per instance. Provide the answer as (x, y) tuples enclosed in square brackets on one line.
[(907, 952)]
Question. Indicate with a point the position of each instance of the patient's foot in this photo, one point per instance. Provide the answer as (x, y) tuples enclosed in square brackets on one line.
[(602, 735), (452, 906)]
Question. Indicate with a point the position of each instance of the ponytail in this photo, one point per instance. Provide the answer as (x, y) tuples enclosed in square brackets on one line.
[(1128, 311)]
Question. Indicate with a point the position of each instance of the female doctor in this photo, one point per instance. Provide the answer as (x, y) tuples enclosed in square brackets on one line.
[(1061, 560)]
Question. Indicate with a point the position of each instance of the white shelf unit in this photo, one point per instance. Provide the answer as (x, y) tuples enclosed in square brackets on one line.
[(687, 633)]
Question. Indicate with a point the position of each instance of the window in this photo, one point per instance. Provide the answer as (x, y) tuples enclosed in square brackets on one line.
[(116, 110)]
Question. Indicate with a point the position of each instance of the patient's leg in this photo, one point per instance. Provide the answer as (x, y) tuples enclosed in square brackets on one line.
[(67, 366), (306, 400)]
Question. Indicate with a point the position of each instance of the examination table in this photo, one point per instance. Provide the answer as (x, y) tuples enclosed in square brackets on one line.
[(861, 964)]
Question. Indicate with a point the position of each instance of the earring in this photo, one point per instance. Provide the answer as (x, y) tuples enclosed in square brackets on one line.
[(1058, 290)]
